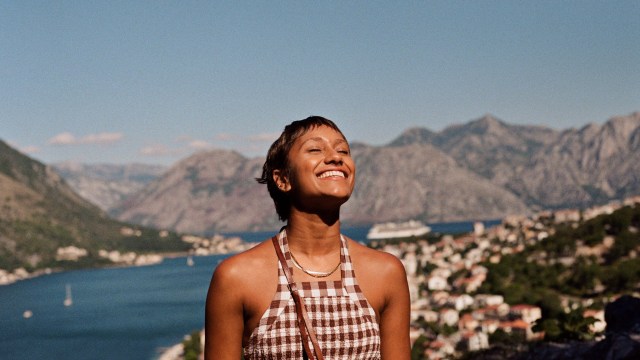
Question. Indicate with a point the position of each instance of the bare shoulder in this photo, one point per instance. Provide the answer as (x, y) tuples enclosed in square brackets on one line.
[(383, 281), (375, 261), (245, 280), (381, 276), (240, 291), (247, 266)]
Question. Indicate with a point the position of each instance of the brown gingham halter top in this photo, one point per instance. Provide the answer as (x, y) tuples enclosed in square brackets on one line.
[(344, 321)]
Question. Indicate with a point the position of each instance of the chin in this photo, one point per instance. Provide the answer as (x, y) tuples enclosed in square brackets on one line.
[(340, 200)]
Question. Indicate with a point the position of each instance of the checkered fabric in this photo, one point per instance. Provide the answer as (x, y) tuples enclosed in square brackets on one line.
[(342, 318)]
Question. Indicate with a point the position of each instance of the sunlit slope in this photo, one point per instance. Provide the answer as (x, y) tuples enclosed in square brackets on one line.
[(40, 213)]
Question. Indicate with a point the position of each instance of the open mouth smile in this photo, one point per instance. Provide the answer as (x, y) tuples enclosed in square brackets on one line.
[(332, 173)]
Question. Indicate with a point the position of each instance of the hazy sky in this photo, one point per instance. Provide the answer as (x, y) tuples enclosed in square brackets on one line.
[(153, 81)]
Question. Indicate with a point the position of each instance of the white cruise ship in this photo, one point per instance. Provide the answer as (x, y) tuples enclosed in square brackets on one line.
[(392, 230)]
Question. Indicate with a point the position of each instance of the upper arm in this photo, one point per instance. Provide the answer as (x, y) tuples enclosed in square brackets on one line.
[(224, 320), (395, 315)]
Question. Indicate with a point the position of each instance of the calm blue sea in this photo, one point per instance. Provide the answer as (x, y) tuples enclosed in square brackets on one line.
[(117, 313)]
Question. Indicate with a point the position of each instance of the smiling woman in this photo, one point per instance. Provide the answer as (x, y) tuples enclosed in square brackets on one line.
[(285, 299)]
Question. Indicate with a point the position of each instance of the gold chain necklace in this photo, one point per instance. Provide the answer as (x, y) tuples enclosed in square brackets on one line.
[(316, 274)]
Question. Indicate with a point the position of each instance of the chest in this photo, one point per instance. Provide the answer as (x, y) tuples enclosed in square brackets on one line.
[(342, 319)]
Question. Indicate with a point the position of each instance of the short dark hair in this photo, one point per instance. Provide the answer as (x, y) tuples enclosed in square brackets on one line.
[(278, 159)]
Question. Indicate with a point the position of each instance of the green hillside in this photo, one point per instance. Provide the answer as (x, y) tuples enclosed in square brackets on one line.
[(595, 260), (39, 213)]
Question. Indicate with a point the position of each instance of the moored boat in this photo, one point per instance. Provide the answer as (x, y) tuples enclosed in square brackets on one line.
[(68, 300), (390, 230)]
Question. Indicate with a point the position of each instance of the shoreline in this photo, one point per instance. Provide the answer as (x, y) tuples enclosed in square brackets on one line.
[(217, 245), (22, 274)]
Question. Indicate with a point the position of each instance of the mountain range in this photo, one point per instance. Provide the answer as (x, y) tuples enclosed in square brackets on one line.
[(483, 169)]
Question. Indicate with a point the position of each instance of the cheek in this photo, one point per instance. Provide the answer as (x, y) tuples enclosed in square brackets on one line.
[(295, 176), (354, 173)]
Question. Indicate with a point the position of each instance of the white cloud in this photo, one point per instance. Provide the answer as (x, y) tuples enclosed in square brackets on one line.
[(67, 138), (200, 144), (266, 137), (157, 150), (184, 138), (192, 143), (102, 138), (28, 149), (12, 144), (224, 137), (31, 149)]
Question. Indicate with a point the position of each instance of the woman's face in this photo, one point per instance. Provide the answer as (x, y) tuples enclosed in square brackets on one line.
[(320, 169)]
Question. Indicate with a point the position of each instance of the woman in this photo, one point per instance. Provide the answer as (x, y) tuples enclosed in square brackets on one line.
[(285, 298)]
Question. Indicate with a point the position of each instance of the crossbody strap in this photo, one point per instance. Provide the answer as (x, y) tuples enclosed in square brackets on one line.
[(304, 324)]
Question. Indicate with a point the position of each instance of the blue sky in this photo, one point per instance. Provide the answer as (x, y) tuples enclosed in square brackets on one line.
[(153, 81)]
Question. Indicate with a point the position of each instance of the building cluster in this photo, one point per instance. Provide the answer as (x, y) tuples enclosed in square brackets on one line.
[(9, 277), (217, 244), (443, 276), (70, 253), (74, 253), (130, 258)]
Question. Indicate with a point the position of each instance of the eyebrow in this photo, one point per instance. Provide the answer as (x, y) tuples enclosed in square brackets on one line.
[(337, 141)]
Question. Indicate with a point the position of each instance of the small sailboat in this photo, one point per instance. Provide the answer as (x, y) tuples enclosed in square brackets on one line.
[(190, 261), (68, 301)]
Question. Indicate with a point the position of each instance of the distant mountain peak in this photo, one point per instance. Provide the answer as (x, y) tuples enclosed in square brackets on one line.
[(487, 124), (414, 135), (624, 124)]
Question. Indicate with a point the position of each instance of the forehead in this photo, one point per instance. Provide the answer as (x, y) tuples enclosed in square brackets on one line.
[(321, 133)]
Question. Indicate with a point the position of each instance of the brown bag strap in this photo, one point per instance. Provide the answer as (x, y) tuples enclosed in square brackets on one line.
[(304, 324)]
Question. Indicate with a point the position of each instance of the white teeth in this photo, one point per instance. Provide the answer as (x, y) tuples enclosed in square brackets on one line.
[(331, 173)]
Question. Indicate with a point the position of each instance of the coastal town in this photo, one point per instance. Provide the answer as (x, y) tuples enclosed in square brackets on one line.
[(465, 317), (442, 299)]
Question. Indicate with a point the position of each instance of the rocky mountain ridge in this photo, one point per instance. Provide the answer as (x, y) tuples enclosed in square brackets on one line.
[(204, 193), (107, 185), (479, 170)]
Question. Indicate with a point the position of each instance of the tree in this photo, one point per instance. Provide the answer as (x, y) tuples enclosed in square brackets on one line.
[(583, 277), (192, 347), (419, 346), (568, 326)]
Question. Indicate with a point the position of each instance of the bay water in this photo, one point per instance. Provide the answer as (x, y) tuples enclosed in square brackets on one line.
[(118, 313)]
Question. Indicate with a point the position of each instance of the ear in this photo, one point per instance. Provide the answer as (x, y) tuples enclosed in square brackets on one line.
[(281, 180)]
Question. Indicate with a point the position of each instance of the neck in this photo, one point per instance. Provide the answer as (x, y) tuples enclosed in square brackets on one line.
[(313, 235)]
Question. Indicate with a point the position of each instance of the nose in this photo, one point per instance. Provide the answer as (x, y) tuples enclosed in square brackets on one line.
[(333, 157)]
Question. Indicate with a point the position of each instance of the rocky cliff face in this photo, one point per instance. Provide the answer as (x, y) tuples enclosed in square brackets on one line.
[(106, 185), (583, 166), (482, 169), (420, 181), (543, 167), (207, 192)]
